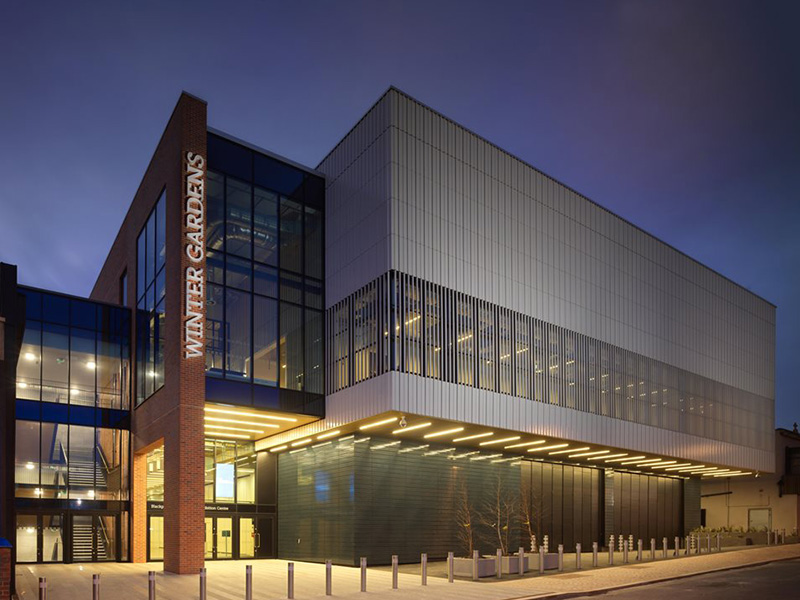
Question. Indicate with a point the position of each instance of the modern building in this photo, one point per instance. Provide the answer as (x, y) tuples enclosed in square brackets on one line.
[(361, 359), (758, 501)]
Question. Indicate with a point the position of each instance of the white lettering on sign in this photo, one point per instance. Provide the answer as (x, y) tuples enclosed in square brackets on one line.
[(194, 226)]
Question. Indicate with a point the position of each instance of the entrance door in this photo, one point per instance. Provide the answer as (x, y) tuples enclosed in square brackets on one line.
[(219, 538), (265, 537), (155, 537), (759, 519), (40, 538), (94, 538)]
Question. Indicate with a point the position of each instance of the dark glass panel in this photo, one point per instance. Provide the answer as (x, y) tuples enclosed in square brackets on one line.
[(82, 415), (55, 413), (83, 314), (238, 273), (29, 376), (150, 250), (29, 410), (26, 461), (314, 379), (314, 230), (314, 294), (141, 259), (55, 309), (291, 288), (55, 363), (265, 341), (216, 267), (239, 218), (291, 220), (83, 364), (33, 304), (161, 232), (277, 175), (265, 226), (229, 157), (81, 462), (237, 347), (161, 290), (215, 343), (159, 345), (108, 466), (291, 347), (215, 210), (314, 191), (55, 437), (265, 281)]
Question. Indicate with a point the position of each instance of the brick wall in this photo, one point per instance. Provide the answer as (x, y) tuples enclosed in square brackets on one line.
[(5, 572), (174, 414)]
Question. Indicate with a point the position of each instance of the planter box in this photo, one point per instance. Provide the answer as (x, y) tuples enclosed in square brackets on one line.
[(462, 567), (550, 561), (510, 564)]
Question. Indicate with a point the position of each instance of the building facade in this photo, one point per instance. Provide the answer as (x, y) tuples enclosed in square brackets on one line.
[(355, 360)]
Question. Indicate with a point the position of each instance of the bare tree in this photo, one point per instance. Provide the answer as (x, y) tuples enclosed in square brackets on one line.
[(465, 519), (531, 513), (499, 512)]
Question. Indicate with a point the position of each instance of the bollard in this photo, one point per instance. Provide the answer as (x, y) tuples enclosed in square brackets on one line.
[(203, 583), (424, 568), (541, 560), (290, 582), (577, 557), (521, 561), (560, 558), (719, 542), (95, 587), (776, 536), (329, 578), (652, 548), (394, 571), (639, 550), (450, 561), (151, 585), (769, 535), (708, 543), (677, 545), (42, 588), (665, 545), (499, 563), (594, 554), (625, 552), (783, 536), (363, 573), (248, 582), (474, 565), (611, 550)]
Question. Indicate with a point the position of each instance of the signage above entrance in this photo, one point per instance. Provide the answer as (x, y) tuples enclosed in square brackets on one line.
[(194, 227)]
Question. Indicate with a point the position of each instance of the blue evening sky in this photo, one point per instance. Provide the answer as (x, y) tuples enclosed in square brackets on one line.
[(683, 117)]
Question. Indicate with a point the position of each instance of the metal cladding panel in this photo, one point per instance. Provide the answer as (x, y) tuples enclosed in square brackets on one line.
[(416, 395), (471, 217)]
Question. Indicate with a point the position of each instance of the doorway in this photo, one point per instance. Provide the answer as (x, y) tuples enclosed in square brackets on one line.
[(219, 538), (40, 538), (94, 538)]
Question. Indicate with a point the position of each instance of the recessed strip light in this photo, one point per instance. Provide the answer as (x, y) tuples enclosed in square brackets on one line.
[(629, 458), (631, 461), (536, 443), (301, 442), (239, 413), (589, 453), (659, 464), (568, 450), (474, 437), (210, 426), (607, 456), (697, 469), (685, 468), (278, 448), (230, 435), (553, 447), (665, 466), (378, 423), (322, 444), (733, 474), (412, 427), (444, 432), (508, 439), (328, 434), (237, 422)]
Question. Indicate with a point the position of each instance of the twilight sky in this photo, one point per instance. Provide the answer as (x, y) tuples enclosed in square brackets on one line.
[(682, 117)]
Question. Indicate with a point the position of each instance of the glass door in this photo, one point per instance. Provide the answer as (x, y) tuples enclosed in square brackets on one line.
[(94, 538), (247, 537), (219, 542), (40, 538), (155, 538)]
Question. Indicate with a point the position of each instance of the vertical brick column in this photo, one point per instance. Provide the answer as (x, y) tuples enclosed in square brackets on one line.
[(139, 508), (5, 570)]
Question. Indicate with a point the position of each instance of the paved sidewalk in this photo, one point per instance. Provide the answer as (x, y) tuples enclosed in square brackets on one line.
[(125, 581)]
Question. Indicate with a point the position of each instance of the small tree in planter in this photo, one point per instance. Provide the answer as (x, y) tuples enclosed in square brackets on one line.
[(531, 514), (465, 521), (499, 516)]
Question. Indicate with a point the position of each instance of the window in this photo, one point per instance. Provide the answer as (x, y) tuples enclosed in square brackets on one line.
[(230, 469), (150, 292)]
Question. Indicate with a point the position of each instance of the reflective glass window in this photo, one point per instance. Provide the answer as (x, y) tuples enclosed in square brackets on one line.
[(291, 235), (265, 341), (265, 226), (238, 218), (291, 347), (237, 346)]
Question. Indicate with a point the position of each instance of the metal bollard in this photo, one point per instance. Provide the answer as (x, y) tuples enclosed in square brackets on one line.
[(248, 582), (677, 545), (95, 587), (783, 536), (594, 554), (625, 552), (328, 578), (424, 567), (541, 560), (203, 583), (577, 557), (708, 543), (151, 585), (42, 588), (290, 582), (611, 550), (652, 548), (560, 558), (474, 565), (499, 564), (666, 546), (363, 573), (639, 550), (719, 542), (521, 561), (450, 561), (394, 571), (769, 535)]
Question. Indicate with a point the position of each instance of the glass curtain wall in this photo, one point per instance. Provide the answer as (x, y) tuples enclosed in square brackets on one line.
[(401, 323), (264, 322), (230, 472)]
